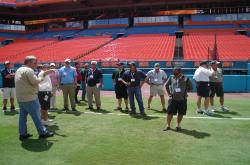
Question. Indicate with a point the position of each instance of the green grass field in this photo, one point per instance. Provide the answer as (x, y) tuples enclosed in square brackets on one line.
[(108, 138)]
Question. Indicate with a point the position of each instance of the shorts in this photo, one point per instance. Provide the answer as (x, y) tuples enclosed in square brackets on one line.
[(216, 88), (156, 89), (9, 93), (177, 106), (203, 89), (44, 99), (121, 92)]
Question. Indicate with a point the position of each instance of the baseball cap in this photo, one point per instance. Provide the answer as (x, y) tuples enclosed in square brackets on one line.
[(45, 65), (157, 65), (132, 63), (215, 62), (67, 60), (6, 62), (52, 64), (93, 62)]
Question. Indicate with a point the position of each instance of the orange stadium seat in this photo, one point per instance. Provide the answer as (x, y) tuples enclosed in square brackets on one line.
[(16, 51), (69, 48), (136, 47), (230, 47)]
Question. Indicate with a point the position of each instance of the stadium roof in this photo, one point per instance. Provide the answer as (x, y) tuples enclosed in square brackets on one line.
[(91, 9)]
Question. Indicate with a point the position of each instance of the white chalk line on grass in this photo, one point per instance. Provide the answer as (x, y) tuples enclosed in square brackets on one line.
[(161, 116)]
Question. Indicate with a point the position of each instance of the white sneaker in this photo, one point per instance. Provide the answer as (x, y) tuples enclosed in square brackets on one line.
[(224, 109), (208, 113), (213, 109), (47, 123), (199, 111), (50, 120)]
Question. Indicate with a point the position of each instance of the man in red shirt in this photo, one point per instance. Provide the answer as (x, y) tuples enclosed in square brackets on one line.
[(79, 80)]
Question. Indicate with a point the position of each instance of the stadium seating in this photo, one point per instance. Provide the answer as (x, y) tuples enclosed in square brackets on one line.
[(69, 48), (101, 31), (152, 30), (137, 48), (224, 26), (51, 34), (15, 52), (10, 35), (245, 25), (230, 46)]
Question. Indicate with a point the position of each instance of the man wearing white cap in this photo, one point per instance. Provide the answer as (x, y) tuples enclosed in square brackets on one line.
[(156, 78), (9, 91), (54, 76), (216, 86), (68, 82), (94, 84)]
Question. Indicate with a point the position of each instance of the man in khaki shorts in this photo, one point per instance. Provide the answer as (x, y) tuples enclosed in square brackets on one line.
[(9, 91), (156, 78)]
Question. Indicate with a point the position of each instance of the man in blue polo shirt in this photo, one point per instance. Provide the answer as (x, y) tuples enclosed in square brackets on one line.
[(133, 79), (68, 82)]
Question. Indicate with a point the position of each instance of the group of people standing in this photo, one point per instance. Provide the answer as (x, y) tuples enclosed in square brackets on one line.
[(35, 89)]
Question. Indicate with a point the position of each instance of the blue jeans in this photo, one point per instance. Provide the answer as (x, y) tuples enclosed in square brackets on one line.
[(83, 90), (135, 92), (33, 109)]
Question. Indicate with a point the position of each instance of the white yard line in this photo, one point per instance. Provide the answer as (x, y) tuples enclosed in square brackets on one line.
[(164, 116), (161, 116)]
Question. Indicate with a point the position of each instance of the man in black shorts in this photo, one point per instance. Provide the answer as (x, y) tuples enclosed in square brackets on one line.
[(177, 87), (216, 86), (44, 94), (120, 87), (201, 77)]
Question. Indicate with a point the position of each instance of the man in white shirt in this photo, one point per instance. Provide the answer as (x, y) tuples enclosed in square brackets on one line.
[(44, 95), (201, 77), (156, 78)]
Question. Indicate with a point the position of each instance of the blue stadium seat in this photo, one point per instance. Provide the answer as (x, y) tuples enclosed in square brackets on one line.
[(209, 26), (102, 31), (45, 35), (10, 35), (152, 30)]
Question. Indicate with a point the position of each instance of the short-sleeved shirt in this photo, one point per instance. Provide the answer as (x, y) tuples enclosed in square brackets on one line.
[(8, 82), (117, 77), (84, 73), (134, 78), (217, 76), (26, 84), (179, 87), (54, 77), (67, 75), (202, 74), (93, 77), (45, 85), (156, 78)]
